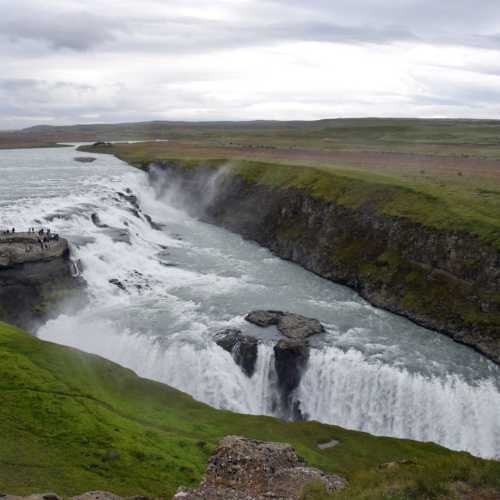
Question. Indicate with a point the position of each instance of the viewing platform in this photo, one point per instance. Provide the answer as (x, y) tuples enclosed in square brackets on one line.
[(19, 248)]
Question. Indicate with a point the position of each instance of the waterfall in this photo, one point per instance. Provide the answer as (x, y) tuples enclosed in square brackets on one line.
[(346, 389), (371, 371)]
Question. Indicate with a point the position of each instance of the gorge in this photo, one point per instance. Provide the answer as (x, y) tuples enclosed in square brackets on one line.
[(183, 280)]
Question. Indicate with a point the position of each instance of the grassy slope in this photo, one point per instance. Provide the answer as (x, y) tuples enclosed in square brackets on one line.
[(435, 137), (72, 422)]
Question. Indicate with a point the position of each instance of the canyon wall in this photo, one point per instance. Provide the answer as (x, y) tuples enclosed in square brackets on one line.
[(443, 280)]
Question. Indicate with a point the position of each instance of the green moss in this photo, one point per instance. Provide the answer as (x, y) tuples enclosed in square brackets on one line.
[(72, 422)]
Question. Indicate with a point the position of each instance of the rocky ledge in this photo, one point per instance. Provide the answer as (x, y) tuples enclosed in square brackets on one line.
[(245, 469), (34, 276)]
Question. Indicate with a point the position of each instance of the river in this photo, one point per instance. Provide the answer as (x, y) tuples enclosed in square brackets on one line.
[(371, 370)]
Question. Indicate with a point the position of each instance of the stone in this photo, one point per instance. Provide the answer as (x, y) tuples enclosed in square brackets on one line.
[(243, 348), (118, 284), (155, 225), (35, 496), (85, 159), (97, 495), (97, 221), (264, 318), (131, 198), (295, 326), (396, 465), (246, 469), (290, 325)]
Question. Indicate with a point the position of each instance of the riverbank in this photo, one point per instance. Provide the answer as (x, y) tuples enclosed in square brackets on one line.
[(73, 422), (429, 255)]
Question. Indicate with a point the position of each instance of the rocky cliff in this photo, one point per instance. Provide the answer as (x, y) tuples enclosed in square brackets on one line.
[(34, 277), (445, 280)]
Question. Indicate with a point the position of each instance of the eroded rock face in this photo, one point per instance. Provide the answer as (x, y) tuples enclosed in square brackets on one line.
[(242, 347), (290, 354), (290, 359), (34, 277), (242, 468)]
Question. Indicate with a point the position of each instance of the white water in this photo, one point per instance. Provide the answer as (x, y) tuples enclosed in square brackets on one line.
[(371, 370)]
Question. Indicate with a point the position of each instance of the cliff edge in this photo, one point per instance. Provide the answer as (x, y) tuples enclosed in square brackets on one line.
[(34, 276)]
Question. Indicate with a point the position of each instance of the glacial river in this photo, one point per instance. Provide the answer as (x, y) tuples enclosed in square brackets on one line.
[(371, 370)]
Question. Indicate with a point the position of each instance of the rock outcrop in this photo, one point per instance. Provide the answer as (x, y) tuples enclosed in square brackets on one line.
[(444, 280), (85, 159), (245, 469), (90, 495), (290, 360), (290, 353), (34, 277), (293, 326), (243, 348)]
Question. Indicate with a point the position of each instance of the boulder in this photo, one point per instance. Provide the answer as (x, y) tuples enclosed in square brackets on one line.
[(243, 348), (97, 221), (153, 224), (118, 284), (264, 318), (85, 159), (242, 468), (295, 326), (290, 325), (131, 198)]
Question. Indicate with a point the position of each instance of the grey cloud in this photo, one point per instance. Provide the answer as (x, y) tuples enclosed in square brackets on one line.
[(255, 23), (78, 31)]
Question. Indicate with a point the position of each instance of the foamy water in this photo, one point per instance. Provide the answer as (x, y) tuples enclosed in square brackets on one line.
[(371, 371)]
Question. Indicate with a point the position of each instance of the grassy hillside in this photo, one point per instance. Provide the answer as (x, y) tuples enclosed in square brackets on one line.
[(477, 138), (72, 422)]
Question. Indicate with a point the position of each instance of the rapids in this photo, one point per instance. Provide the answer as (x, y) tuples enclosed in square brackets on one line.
[(184, 280)]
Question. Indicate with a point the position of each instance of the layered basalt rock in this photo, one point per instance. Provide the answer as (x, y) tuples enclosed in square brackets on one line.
[(291, 353), (34, 277), (243, 348)]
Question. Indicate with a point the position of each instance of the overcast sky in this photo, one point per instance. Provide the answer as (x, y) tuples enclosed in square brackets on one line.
[(85, 61)]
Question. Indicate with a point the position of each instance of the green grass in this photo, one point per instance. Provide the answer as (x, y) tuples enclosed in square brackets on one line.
[(476, 138), (72, 422)]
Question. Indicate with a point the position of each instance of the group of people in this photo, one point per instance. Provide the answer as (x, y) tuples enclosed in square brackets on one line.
[(43, 237)]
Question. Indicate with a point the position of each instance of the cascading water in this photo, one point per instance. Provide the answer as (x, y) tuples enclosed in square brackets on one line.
[(158, 293)]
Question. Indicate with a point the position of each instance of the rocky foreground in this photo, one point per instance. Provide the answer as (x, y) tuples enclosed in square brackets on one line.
[(245, 469), (240, 469)]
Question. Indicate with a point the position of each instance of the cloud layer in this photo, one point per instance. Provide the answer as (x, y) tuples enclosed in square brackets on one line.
[(88, 61)]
